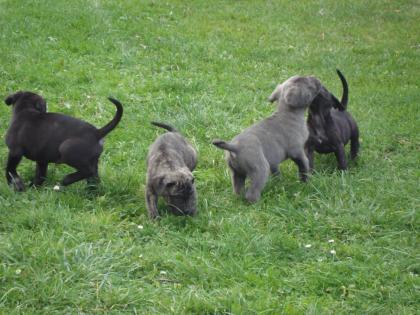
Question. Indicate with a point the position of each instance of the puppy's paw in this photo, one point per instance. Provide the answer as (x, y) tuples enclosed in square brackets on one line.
[(154, 215), (304, 178), (18, 185), (34, 184)]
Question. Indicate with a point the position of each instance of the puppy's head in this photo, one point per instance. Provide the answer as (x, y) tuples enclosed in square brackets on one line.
[(26, 100), (178, 189), (297, 92), (324, 102)]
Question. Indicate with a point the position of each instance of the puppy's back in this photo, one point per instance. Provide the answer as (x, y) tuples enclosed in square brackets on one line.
[(172, 146)]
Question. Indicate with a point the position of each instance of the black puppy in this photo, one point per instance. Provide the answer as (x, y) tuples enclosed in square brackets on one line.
[(53, 138), (331, 126)]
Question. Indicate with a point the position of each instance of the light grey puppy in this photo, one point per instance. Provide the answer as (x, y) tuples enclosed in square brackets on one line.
[(259, 150), (170, 163)]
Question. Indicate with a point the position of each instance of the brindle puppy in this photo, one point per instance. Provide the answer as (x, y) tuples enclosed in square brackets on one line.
[(170, 163)]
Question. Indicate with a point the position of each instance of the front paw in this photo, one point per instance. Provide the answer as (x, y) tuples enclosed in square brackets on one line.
[(154, 215), (18, 184), (34, 183)]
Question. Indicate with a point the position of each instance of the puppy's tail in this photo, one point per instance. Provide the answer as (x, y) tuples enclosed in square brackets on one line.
[(114, 122), (164, 126), (225, 145), (345, 97)]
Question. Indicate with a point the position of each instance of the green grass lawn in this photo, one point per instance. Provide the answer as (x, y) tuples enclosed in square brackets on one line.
[(207, 67)]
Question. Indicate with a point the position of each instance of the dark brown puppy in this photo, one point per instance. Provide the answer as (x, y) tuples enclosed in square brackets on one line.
[(331, 126), (53, 138)]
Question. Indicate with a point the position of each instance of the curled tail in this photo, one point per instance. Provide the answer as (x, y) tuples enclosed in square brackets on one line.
[(164, 126), (225, 145), (114, 122), (345, 97)]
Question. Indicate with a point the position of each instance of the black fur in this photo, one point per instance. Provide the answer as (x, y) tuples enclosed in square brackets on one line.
[(53, 138), (164, 126), (331, 126)]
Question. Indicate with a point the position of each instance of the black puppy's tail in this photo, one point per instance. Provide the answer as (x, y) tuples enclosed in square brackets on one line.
[(164, 126), (345, 97), (114, 122), (225, 145)]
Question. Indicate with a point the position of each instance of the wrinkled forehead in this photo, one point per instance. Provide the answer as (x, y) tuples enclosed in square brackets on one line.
[(29, 96), (180, 175), (300, 81)]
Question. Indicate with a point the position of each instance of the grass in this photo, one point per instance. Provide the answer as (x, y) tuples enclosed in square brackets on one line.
[(207, 67)]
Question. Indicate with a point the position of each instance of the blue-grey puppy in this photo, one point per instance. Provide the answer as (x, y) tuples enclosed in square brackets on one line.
[(258, 150)]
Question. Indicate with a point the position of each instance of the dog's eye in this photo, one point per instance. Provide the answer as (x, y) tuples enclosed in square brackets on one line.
[(170, 184)]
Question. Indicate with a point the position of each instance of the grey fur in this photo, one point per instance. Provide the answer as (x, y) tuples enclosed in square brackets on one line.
[(259, 149), (170, 162)]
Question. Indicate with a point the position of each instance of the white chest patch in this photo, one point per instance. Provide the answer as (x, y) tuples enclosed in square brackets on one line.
[(101, 142)]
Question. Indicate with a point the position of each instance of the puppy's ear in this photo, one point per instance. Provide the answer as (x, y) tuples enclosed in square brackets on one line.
[(158, 186), (12, 98), (300, 91), (162, 184), (41, 106), (276, 94)]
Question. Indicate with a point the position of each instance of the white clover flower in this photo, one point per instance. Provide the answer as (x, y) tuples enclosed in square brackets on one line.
[(140, 227), (163, 272), (331, 241), (18, 271), (56, 188), (333, 252), (308, 246)]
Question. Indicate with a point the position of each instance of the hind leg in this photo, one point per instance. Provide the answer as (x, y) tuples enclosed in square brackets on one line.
[(258, 177), (40, 174), (83, 156), (94, 180), (81, 173), (340, 155), (354, 144)]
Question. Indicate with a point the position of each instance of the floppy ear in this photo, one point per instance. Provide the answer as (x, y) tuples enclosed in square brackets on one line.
[(158, 186), (12, 98), (162, 185), (41, 105), (276, 94), (301, 91)]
